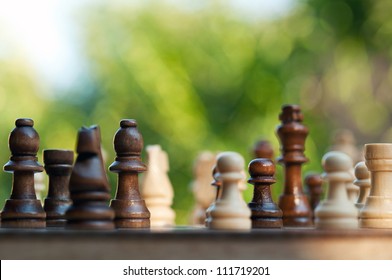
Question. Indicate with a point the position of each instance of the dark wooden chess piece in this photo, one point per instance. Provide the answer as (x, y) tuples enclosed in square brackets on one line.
[(314, 188), (58, 166), (292, 134), (89, 186), (216, 183), (130, 208), (263, 149), (265, 213), (23, 209)]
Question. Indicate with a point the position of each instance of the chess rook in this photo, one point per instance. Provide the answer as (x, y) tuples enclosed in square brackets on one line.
[(88, 185), (131, 210), (377, 212), (265, 213), (314, 188), (336, 211), (23, 209), (157, 189), (292, 134), (58, 166), (362, 180), (230, 211)]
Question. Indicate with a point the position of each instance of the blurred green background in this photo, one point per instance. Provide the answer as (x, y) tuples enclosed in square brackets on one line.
[(209, 78)]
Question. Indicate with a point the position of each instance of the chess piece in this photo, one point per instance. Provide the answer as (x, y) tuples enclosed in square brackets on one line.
[(157, 189), (336, 211), (216, 184), (377, 212), (58, 166), (265, 213), (39, 185), (89, 187), (344, 141), (352, 189), (314, 187), (130, 208), (201, 186), (263, 149), (292, 134), (23, 209), (362, 180), (230, 211)]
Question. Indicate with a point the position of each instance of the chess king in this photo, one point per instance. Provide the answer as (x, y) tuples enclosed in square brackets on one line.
[(292, 134)]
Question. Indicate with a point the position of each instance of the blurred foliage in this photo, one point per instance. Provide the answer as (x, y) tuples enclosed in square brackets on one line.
[(206, 79)]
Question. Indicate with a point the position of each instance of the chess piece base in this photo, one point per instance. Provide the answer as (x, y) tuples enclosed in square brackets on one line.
[(132, 223), (297, 212), (267, 223), (336, 223), (19, 209), (90, 225), (59, 223), (375, 223), (130, 213), (232, 224), (23, 223)]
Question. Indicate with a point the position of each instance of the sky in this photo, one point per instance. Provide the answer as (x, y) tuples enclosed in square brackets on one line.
[(45, 32)]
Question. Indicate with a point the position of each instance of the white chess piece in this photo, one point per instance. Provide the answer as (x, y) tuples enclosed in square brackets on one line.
[(336, 211), (203, 192), (157, 190), (230, 211), (377, 212), (362, 180), (39, 185)]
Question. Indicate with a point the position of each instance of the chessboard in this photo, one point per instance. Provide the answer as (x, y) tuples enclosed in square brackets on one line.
[(78, 219)]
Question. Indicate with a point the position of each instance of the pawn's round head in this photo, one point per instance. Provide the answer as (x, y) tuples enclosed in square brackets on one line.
[(230, 163), (261, 167), (313, 179), (336, 162), (23, 139), (361, 171)]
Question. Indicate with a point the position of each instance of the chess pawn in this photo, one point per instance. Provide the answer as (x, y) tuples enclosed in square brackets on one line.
[(314, 187), (88, 185), (352, 189), (265, 213), (362, 180), (377, 212), (292, 134), (336, 211), (230, 211), (23, 209), (157, 189), (131, 210), (263, 149), (58, 166), (201, 186), (216, 184)]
